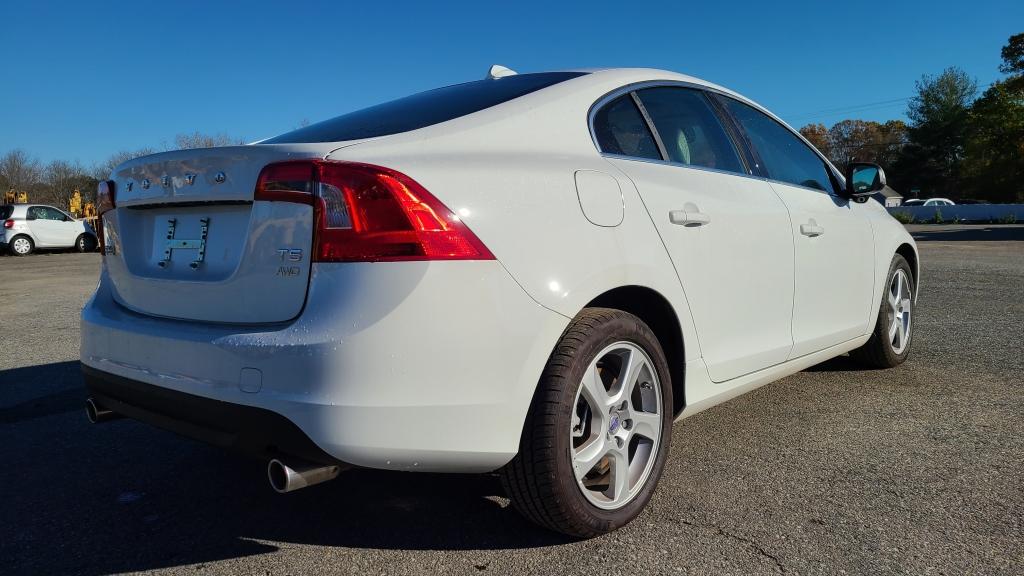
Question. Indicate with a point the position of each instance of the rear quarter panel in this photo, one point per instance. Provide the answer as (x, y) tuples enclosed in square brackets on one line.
[(509, 173)]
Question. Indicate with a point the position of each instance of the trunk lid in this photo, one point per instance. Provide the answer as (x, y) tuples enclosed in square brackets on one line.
[(188, 241)]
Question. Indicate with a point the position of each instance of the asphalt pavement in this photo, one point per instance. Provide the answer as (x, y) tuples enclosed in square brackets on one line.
[(834, 470)]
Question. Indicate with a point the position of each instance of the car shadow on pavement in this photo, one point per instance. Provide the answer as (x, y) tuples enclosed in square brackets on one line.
[(123, 496), (839, 364)]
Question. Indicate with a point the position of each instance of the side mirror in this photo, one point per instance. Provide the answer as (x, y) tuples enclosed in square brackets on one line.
[(863, 179)]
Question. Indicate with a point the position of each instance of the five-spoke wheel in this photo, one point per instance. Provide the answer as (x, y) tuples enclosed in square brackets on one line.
[(900, 301), (598, 432), (889, 344), (616, 425)]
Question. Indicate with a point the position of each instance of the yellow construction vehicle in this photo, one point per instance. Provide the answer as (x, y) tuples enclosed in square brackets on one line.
[(89, 211), (12, 197), (75, 204)]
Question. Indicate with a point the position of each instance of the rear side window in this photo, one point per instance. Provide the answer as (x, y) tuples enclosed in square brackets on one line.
[(620, 129), (786, 157), (689, 128), (6, 211), (423, 109)]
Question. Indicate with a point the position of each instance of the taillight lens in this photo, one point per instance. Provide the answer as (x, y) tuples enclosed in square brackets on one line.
[(104, 197), (367, 213), (104, 203), (8, 224)]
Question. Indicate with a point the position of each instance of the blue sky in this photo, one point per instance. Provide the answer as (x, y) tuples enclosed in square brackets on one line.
[(82, 80)]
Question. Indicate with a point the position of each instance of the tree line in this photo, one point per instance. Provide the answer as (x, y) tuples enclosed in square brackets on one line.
[(55, 182), (956, 144)]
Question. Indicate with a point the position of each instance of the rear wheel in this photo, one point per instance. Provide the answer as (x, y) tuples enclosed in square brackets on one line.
[(21, 246), (889, 344), (598, 432), (85, 243)]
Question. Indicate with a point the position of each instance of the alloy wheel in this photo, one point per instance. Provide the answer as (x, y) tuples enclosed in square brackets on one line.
[(901, 302), (616, 425)]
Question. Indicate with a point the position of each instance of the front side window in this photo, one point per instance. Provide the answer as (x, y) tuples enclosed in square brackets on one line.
[(689, 128), (620, 129), (786, 157), (45, 213)]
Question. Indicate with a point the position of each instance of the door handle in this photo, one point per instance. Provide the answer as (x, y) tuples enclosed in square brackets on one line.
[(689, 218), (811, 229)]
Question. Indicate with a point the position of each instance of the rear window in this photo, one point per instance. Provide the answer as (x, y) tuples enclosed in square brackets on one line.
[(423, 109), (5, 211)]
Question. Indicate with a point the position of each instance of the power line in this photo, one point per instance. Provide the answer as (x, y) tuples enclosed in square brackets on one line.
[(866, 107)]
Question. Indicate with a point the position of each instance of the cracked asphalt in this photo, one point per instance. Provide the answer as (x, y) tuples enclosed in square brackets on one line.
[(834, 470)]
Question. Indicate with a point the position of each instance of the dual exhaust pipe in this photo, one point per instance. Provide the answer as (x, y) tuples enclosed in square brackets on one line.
[(285, 474)]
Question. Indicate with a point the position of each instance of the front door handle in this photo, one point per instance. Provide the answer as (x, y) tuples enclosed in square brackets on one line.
[(689, 218), (811, 229)]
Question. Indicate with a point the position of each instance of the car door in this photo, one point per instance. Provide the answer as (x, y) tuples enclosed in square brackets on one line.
[(728, 234), (69, 227), (832, 235), (45, 223)]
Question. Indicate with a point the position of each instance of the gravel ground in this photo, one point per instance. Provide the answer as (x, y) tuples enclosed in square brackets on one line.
[(834, 470)]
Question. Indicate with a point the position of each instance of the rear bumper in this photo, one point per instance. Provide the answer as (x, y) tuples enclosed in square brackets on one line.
[(408, 366), (244, 429)]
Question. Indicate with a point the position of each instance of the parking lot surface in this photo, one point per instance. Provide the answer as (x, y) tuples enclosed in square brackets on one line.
[(919, 469)]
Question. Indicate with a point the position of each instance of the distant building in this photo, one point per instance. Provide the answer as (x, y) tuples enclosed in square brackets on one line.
[(888, 197)]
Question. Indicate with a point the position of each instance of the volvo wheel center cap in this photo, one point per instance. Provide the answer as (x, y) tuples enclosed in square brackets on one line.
[(614, 426)]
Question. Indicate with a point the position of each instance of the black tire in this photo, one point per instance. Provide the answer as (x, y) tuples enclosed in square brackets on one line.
[(31, 245), (540, 480), (85, 243), (878, 351)]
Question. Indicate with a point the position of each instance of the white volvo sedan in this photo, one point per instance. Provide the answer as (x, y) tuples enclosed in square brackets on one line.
[(535, 274)]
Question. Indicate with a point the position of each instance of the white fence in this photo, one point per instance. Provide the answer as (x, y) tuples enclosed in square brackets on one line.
[(964, 213)]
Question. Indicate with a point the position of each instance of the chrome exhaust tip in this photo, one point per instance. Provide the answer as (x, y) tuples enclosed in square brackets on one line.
[(96, 413), (291, 475)]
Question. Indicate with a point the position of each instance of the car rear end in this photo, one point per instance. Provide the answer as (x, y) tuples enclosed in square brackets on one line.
[(12, 218), (5, 218), (264, 299)]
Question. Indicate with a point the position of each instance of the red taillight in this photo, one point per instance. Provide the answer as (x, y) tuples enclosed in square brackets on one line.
[(104, 204), (8, 224), (367, 213), (104, 197)]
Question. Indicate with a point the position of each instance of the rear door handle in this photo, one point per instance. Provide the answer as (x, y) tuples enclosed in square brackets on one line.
[(689, 218), (811, 229)]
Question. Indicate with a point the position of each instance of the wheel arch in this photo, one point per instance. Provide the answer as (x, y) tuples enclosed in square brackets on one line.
[(910, 254), (656, 311)]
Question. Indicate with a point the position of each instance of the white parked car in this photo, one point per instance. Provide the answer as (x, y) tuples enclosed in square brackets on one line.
[(28, 227), (535, 274), (929, 202)]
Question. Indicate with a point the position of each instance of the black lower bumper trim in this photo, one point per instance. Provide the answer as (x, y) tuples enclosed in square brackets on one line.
[(244, 429)]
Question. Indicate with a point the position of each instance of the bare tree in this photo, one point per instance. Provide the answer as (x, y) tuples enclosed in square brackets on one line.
[(63, 178), (19, 170), (104, 169), (200, 140)]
